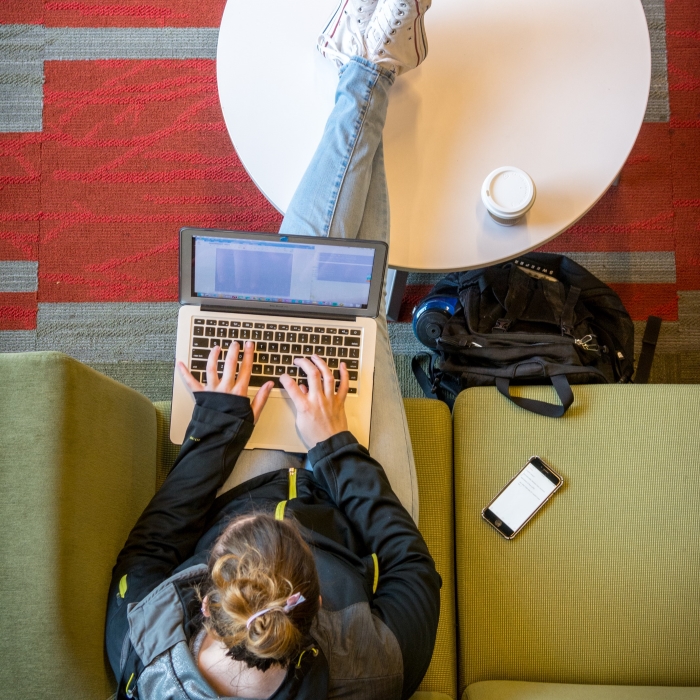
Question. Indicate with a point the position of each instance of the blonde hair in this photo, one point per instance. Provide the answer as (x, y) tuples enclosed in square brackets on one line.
[(258, 563)]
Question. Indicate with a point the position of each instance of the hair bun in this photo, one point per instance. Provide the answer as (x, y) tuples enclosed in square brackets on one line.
[(259, 566)]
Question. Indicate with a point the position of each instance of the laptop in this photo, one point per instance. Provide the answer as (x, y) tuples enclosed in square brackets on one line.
[(294, 296)]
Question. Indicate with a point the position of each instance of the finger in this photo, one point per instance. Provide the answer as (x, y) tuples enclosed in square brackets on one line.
[(328, 380), (312, 374), (258, 403), (229, 376), (344, 382), (246, 367), (212, 376), (192, 384), (295, 392)]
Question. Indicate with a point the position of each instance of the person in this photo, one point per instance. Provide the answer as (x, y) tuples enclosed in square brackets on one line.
[(289, 582)]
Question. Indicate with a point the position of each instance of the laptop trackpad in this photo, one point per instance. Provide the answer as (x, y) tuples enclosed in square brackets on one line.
[(276, 429)]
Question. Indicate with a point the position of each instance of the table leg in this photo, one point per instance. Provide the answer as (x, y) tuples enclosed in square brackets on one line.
[(395, 287)]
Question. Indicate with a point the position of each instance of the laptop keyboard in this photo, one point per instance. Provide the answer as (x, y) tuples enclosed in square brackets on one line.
[(277, 345)]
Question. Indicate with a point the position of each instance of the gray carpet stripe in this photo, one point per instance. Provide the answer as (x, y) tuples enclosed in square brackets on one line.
[(645, 268), (658, 108), (17, 341), (410, 389), (21, 78), (402, 340), (425, 277), (671, 338), (89, 44), (32, 44), (152, 379), (18, 276), (109, 332)]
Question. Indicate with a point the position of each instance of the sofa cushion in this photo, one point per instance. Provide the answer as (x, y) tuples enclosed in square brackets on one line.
[(77, 467), (602, 585), (515, 690)]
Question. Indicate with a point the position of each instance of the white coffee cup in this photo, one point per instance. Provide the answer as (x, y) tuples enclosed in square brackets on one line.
[(508, 194)]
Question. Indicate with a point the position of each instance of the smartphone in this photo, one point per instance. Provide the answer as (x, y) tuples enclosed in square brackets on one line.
[(522, 497)]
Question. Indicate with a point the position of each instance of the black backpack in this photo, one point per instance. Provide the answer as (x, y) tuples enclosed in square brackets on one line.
[(538, 319)]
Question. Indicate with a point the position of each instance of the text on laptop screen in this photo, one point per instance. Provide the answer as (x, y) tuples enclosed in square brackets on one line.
[(282, 272)]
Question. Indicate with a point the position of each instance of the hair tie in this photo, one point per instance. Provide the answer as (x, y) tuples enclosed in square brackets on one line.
[(292, 602)]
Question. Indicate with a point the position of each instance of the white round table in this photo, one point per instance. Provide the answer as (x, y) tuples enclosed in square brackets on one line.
[(555, 87)]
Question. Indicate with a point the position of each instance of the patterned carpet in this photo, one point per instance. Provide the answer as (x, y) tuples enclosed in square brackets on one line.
[(111, 138)]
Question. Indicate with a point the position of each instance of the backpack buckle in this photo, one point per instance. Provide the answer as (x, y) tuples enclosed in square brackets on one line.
[(503, 324), (567, 330)]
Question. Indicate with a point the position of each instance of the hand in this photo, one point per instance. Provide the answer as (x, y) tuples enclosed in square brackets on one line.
[(229, 383), (320, 410)]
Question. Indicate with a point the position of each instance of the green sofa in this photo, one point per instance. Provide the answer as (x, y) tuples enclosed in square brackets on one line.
[(599, 597)]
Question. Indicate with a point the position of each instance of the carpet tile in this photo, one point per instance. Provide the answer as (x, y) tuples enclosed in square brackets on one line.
[(109, 332), (90, 44), (629, 267), (21, 78), (18, 276), (658, 109)]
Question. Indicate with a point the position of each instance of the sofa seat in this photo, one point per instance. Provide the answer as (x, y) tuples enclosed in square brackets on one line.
[(601, 587), (519, 690), (430, 425)]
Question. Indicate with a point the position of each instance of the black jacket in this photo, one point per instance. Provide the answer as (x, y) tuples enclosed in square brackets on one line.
[(347, 513)]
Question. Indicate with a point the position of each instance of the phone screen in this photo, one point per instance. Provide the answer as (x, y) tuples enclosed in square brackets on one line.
[(522, 497)]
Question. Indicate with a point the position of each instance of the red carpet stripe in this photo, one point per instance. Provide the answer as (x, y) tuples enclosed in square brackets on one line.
[(644, 300), (134, 13), (18, 311)]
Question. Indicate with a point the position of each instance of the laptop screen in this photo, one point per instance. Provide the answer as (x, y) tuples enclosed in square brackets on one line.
[(246, 272), (280, 271)]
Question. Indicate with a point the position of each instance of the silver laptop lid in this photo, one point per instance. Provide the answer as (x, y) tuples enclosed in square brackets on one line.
[(291, 275)]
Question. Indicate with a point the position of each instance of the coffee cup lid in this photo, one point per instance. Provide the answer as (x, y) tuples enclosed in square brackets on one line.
[(508, 192)]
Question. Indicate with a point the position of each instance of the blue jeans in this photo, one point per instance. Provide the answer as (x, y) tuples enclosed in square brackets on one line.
[(343, 194)]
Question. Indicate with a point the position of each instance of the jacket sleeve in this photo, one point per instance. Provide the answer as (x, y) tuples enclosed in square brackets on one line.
[(407, 599), (168, 530)]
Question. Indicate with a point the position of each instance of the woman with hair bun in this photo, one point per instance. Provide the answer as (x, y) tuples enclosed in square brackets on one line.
[(310, 581)]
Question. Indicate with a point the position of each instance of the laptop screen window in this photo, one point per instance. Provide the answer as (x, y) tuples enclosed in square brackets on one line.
[(281, 272)]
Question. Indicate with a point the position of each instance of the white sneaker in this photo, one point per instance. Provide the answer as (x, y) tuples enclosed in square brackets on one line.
[(344, 35), (395, 37)]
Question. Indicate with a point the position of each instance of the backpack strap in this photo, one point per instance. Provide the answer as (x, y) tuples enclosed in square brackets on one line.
[(521, 287), (646, 358), (567, 313), (432, 388), (421, 377), (542, 408)]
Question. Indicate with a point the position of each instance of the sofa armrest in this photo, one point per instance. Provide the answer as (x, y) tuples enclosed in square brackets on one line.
[(430, 425), (77, 467)]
